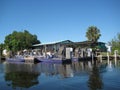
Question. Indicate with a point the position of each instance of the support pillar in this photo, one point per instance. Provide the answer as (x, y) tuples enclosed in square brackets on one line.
[(108, 57)]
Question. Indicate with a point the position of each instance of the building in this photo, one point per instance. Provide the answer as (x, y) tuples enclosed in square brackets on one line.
[(59, 46), (100, 46), (53, 47)]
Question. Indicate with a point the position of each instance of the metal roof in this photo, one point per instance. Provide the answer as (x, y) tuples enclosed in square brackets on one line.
[(62, 41)]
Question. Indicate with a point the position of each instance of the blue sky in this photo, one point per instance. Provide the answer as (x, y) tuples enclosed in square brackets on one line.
[(55, 20)]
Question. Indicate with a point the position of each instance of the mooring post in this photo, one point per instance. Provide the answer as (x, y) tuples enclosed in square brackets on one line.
[(115, 55), (68, 53), (115, 62), (92, 58), (108, 56), (100, 58)]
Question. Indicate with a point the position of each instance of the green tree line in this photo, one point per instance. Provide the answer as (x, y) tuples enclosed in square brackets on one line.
[(115, 43), (20, 40)]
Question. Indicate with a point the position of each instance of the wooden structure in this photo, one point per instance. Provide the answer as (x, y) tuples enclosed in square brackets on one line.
[(89, 44), (55, 46), (106, 57)]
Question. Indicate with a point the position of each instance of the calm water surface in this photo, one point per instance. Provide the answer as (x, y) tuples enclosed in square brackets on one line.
[(82, 75)]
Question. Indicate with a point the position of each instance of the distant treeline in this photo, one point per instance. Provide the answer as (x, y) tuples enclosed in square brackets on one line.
[(115, 43)]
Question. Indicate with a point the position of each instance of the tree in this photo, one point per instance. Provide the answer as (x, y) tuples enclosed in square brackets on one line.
[(2, 47), (93, 33), (115, 43), (20, 40)]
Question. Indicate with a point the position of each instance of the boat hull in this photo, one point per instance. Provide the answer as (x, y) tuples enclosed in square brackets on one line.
[(53, 60), (15, 60)]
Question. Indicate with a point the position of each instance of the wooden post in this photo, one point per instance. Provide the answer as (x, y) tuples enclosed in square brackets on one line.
[(45, 50), (115, 62), (108, 57), (68, 53), (100, 58), (92, 58), (115, 55)]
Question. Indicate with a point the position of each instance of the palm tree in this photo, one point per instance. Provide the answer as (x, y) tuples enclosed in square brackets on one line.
[(93, 33)]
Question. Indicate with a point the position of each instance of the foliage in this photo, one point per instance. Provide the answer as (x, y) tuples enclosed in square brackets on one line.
[(93, 33), (2, 47), (115, 43), (20, 40)]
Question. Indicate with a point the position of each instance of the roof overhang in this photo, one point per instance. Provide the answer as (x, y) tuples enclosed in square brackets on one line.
[(51, 43)]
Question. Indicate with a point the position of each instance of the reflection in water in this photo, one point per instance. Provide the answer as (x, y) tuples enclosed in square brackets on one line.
[(26, 75), (20, 75), (83, 67), (66, 71), (110, 66), (18, 79), (44, 76), (95, 80), (49, 69), (1, 68)]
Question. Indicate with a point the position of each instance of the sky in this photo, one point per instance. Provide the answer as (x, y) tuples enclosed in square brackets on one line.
[(56, 20)]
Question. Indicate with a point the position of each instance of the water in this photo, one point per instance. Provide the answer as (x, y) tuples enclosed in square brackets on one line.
[(82, 75)]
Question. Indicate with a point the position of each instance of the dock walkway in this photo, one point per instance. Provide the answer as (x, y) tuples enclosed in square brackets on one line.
[(110, 57)]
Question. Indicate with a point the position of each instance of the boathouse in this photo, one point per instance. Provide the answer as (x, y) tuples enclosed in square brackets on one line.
[(59, 46), (100, 46), (53, 47)]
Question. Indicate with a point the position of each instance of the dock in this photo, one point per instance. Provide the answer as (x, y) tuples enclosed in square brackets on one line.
[(57, 60), (29, 59), (106, 57)]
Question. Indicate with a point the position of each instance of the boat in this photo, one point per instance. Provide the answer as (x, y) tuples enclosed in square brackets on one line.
[(16, 59), (53, 60), (61, 60)]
